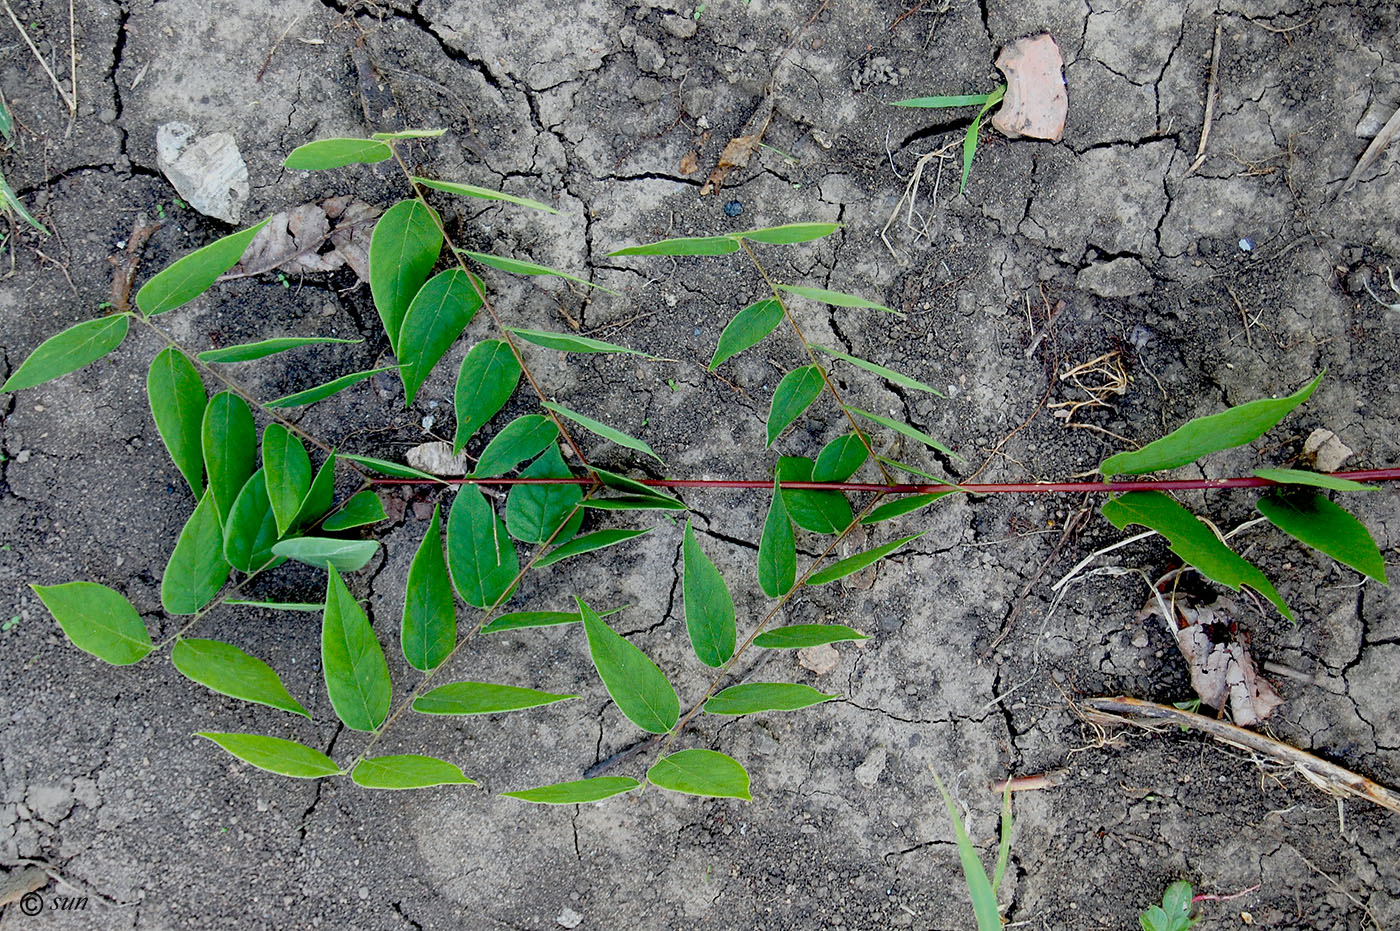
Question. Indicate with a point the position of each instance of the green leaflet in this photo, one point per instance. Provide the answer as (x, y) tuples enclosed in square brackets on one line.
[(523, 438), (534, 512), (1204, 435), (687, 245), (633, 681), (191, 276), (402, 252), (385, 467), (956, 100), (284, 757), (229, 671), (817, 511), (482, 698), (905, 430), (363, 509), (97, 620), (852, 564), (323, 391), (632, 486), (521, 267), (307, 606), (1312, 519), (701, 772), (229, 441), (797, 636), (973, 131), (287, 471), (485, 383), (319, 497), (567, 342), (69, 351), (484, 193), (634, 503), (429, 630), (407, 771), (250, 530), (480, 557), (747, 329), (597, 540), (709, 608), (834, 298), (248, 352), (790, 233), (409, 134), (177, 398), (901, 506), (1315, 479), (840, 459), (1192, 540), (755, 697), (357, 676), (603, 430), (777, 551), (578, 792), (437, 315), (197, 568), (328, 552), (521, 620), (337, 153), (899, 378), (798, 389)]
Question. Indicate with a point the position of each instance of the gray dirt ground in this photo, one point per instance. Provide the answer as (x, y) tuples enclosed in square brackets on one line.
[(594, 107)]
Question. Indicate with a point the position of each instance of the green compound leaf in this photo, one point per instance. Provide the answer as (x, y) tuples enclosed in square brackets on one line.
[(483, 193), (701, 772), (899, 378), (521, 267), (409, 134), (407, 771), (287, 471), (177, 398), (1192, 540), (402, 252), (567, 342), (954, 100), (777, 551), (597, 540), (817, 511), (634, 683), (321, 392), (328, 552), (437, 315), (363, 509), (97, 620), (790, 233), (483, 698), (248, 352), (534, 512), (485, 383), (337, 153), (840, 459), (852, 564), (690, 245), (250, 530), (385, 467), (357, 676), (747, 329), (1205, 435), (523, 438), (229, 441), (187, 279), (1312, 519), (603, 430), (798, 636), (429, 629), (480, 557), (798, 389), (283, 757), (905, 430), (973, 131), (835, 298), (755, 697), (709, 608), (69, 351), (578, 792), (226, 669), (319, 497), (197, 568), (901, 506), (1315, 479)]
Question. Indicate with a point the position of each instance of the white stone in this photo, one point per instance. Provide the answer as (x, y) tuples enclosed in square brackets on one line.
[(208, 172)]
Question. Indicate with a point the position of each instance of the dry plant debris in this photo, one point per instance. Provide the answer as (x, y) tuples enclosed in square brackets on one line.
[(293, 240)]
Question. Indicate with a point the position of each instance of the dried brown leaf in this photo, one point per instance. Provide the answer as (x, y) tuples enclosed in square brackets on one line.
[(301, 240)]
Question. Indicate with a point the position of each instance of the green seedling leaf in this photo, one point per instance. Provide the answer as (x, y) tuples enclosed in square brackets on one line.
[(250, 530), (905, 430), (755, 697), (1315, 479), (1174, 914), (523, 438), (979, 888), (437, 316), (319, 497), (402, 252), (337, 153), (429, 630), (798, 636), (482, 698), (385, 467), (177, 401), (407, 771), (357, 676), (485, 383), (634, 682), (835, 298), (1205, 435), (567, 342), (328, 552), (226, 669), (480, 557), (840, 459), (899, 378), (275, 755), (777, 551), (973, 131), (191, 276), (229, 441), (409, 134), (747, 329), (521, 620), (1312, 519), (307, 606), (9, 199), (287, 471), (634, 503), (579, 792), (521, 267), (6, 121), (689, 245), (1192, 540), (248, 352), (97, 620), (363, 509), (197, 568), (535, 512), (709, 608), (853, 564), (790, 233), (798, 389), (321, 392), (484, 193), (817, 511), (901, 506), (65, 352), (597, 540), (603, 430), (707, 773), (954, 100)]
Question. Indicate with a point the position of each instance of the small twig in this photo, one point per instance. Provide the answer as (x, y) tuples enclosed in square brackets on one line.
[(124, 265), (1373, 151), (1210, 102), (273, 51), (1239, 305), (70, 100), (1207, 897)]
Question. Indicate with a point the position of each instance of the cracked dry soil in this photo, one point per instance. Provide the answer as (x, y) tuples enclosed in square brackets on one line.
[(1056, 254)]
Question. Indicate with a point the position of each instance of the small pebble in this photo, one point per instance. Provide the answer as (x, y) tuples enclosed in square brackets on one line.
[(733, 208), (1246, 245), (107, 115)]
